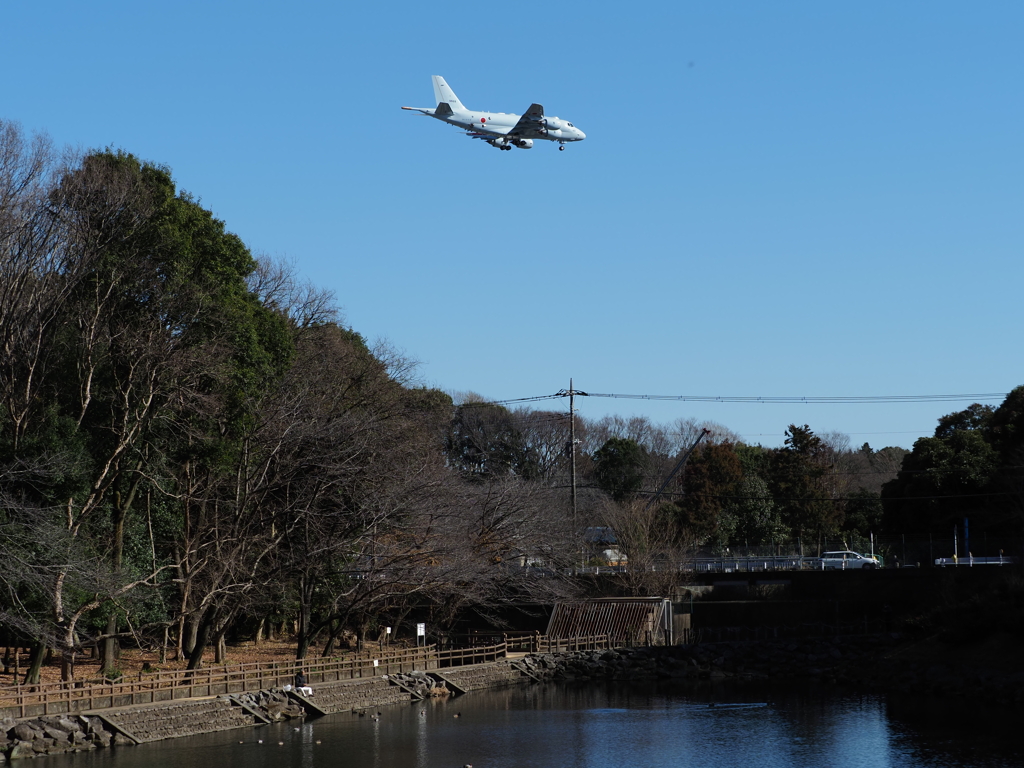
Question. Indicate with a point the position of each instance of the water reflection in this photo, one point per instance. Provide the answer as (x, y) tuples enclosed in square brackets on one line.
[(597, 726)]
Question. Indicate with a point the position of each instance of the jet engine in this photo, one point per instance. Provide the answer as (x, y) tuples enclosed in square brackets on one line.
[(554, 123), (523, 143)]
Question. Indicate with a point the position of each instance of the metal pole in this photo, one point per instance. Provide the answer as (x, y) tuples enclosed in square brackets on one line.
[(572, 448), (703, 433)]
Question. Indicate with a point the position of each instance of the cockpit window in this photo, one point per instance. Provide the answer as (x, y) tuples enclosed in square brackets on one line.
[(571, 125)]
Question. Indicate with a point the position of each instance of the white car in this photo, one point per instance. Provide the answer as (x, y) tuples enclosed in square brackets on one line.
[(846, 559)]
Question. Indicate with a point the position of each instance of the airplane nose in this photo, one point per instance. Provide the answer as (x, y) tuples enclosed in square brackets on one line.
[(582, 134)]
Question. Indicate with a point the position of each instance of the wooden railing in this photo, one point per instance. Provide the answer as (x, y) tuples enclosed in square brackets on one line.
[(461, 657), (547, 644), (534, 642), (21, 701)]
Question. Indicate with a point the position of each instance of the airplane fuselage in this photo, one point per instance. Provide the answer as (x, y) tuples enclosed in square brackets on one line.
[(503, 130), (500, 123)]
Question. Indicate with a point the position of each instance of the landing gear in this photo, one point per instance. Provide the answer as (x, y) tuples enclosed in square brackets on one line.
[(561, 147)]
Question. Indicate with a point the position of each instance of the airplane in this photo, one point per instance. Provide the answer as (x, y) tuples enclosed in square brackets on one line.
[(499, 129)]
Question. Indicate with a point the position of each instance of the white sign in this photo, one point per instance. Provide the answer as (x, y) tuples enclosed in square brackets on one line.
[(388, 631), (421, 630), (376, 662)]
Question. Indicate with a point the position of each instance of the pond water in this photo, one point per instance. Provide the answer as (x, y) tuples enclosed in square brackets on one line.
[(603, 726)]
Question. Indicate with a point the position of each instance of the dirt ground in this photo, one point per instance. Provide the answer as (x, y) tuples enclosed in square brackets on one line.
[(132, 660)]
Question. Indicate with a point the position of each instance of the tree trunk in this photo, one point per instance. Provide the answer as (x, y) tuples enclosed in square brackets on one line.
[(332, 638), (202, 638), (302, 623), (195, 657), (67, 665), (117, 516), (35, 664), (189, 635), (108, 648)]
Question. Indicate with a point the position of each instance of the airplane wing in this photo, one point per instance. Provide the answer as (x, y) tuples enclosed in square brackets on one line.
[(530, 125)]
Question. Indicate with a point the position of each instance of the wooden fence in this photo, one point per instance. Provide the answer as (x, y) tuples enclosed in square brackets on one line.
[(21, 701)]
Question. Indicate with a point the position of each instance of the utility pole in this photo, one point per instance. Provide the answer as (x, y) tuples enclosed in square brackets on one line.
[(572, 448), (572, 441)]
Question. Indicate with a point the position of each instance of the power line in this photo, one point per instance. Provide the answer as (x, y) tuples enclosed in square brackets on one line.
[(729, 497), (851, 434), (795, 399), (766, 399), (535, 398)]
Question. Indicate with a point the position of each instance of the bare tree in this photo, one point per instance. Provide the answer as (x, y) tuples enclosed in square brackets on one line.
[(649, 539)]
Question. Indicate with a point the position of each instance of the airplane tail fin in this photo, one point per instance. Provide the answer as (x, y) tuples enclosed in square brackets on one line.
[(445, 95)]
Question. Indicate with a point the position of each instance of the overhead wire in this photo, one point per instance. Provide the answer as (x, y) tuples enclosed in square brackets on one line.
[(767, 399), (797, 399), (730, 497)]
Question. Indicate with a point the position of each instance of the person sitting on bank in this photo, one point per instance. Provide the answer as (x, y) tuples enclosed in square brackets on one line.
[(302, 685)]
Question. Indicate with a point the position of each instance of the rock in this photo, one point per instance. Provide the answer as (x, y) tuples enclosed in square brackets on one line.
[(56, 734), (68, 725), (25, 732), (21, 749), (101, 738)]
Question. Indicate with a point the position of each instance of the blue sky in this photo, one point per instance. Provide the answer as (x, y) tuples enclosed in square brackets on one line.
[(774, 199)]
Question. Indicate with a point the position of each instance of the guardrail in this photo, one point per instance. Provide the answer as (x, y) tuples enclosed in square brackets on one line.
[(970, 561), (714, 565)]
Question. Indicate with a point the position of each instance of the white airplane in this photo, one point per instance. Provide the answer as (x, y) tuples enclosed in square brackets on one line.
[(499, 129)]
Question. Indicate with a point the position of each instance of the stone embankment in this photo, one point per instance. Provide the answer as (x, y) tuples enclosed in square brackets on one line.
[(52, 735), (134, 725), (875, 663), (190, 717), (356, 695), (421, 685), (481, 676)]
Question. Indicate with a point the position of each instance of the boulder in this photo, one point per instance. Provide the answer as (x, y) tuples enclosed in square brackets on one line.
[(25, 732), (56, 734), (101, 738), (21, 749), (68, 725)]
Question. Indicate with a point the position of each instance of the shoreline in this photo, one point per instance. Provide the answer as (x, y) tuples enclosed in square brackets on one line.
[(876, 663)]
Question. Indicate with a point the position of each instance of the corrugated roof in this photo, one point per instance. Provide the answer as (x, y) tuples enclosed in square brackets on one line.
[(627, 620)]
